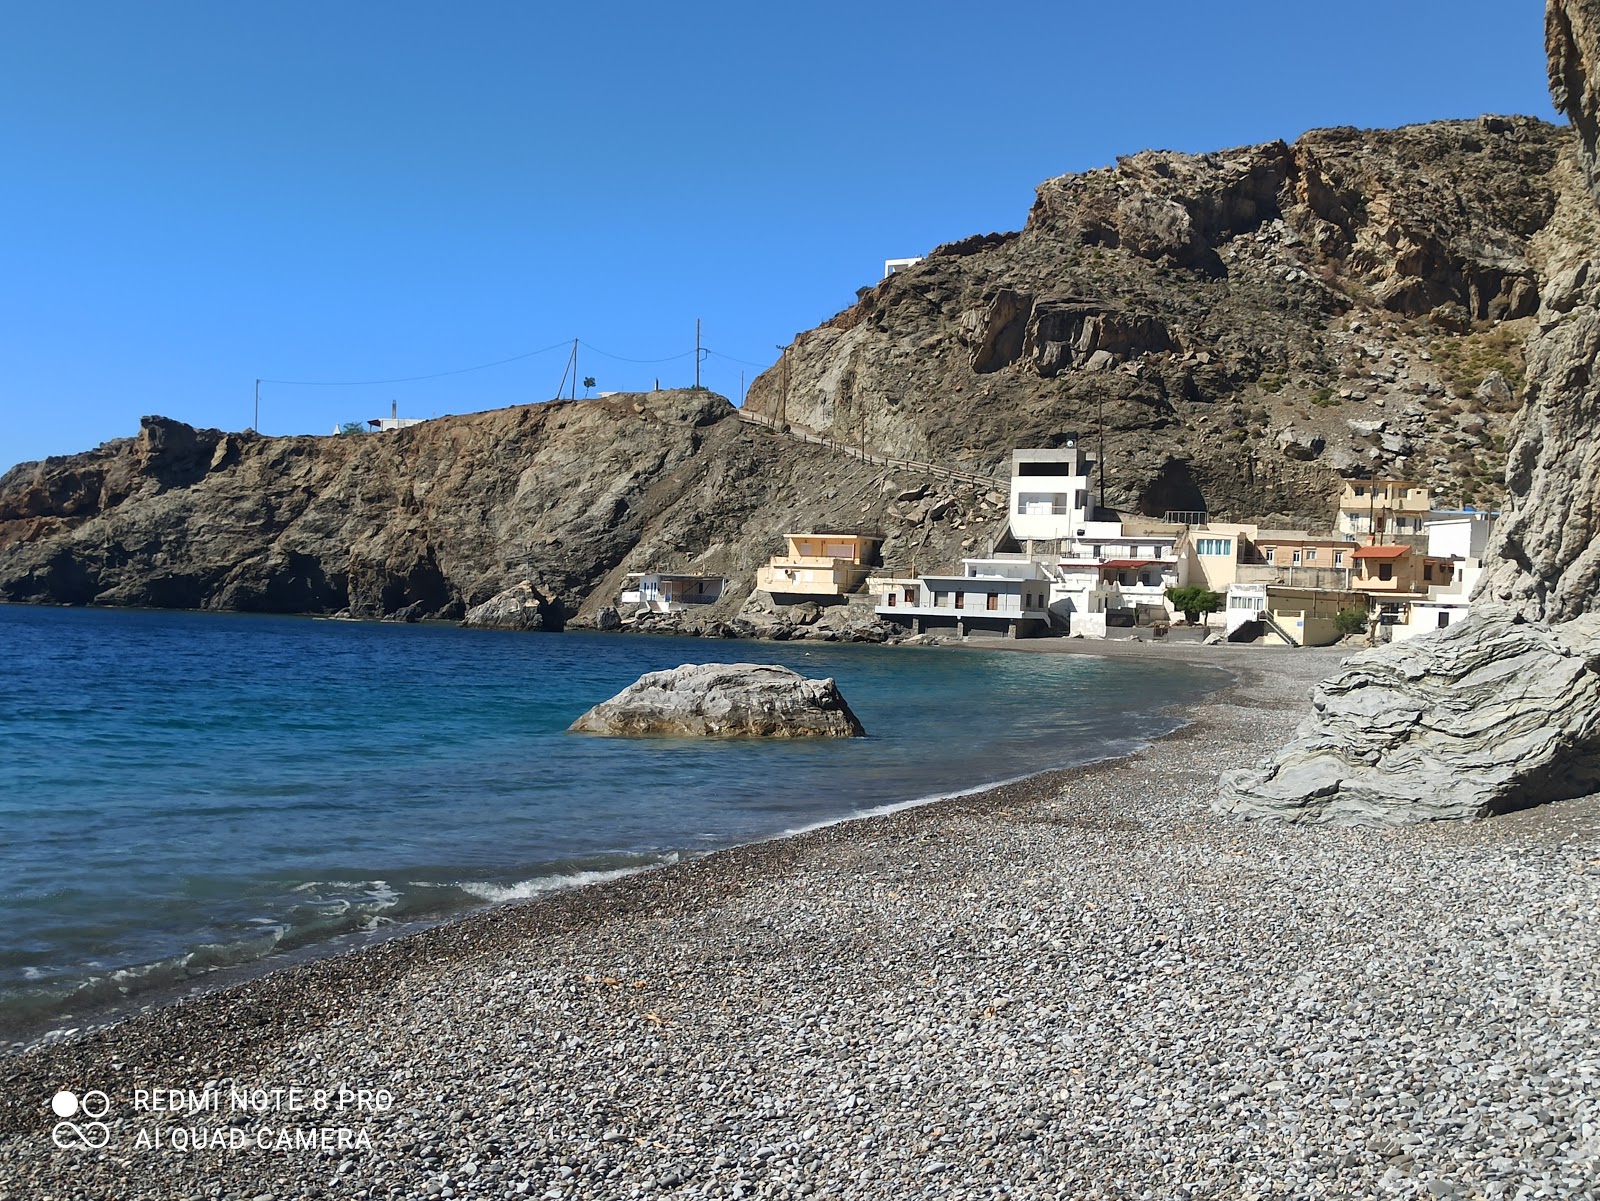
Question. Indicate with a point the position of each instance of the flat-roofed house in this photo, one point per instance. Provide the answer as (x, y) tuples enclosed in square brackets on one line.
[(1050, 495), (819, 565), (1009, 596), (1380, 508), (669, 592)]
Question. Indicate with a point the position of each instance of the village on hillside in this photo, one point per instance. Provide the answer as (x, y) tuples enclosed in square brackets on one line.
[(1390, 567)]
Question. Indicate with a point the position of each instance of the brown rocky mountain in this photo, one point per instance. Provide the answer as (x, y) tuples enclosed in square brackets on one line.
[(1248, 324), (1501, 711)]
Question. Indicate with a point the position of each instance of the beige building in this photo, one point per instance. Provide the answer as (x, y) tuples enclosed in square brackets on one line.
[(1400, 570), (1210, 554), (819, 565), (1385, 509), (1304, 616)]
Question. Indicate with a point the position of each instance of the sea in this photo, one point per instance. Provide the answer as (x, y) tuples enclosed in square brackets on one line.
[(185, 797)]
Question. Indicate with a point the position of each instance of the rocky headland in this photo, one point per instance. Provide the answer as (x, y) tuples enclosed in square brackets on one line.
[(1247, 325)]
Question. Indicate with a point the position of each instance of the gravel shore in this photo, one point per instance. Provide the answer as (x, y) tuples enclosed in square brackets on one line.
[(1080, 985)]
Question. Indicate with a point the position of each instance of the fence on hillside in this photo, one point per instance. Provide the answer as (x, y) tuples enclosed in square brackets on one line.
[(936, 470)]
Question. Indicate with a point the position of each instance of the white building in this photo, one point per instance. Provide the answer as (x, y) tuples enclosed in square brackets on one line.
[(666, 592), (1107, 576), (1461, 535), (1009, 595), (1050, 496), (891, 266), (393, 421)]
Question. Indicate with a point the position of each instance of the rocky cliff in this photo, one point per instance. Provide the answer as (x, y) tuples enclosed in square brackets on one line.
[(1548, 552), (444, 515), (1247, 324), (1242, 325), (1502, 711)]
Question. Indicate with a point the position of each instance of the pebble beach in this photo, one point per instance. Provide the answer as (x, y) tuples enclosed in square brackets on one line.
[(1083, 984)]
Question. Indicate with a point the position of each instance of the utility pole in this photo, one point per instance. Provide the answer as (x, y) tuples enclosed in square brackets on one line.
[(783, 399), (1100, 412), (256, 428), (574, 369), (697, 354)]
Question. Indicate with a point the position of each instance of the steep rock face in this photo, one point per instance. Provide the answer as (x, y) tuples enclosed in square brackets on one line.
[(1203, 305), (724, 700), (1548, 544), (1503, 710)]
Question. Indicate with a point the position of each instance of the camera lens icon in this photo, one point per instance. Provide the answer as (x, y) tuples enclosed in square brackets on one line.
[(93, 1104)]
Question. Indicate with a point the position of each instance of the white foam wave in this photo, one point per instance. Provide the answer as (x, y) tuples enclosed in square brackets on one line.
[(525, 890)]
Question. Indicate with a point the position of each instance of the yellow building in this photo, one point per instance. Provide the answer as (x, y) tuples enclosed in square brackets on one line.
[(815, 565), (1374, 508)]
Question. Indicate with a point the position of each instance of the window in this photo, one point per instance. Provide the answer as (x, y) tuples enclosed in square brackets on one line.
[(1294, 560), (1386, 571), (1097, 551), (941, 600), (1311, 554), (993, 602), (1215, 546), (961, 600), (911, 596), (1338, 558), (890, 599), (1427, 571), (1272, 554), (1058, 505), (1360, 491)]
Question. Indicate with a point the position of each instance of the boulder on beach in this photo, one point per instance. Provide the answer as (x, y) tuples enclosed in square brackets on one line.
[(1492, 714), (724, 700)]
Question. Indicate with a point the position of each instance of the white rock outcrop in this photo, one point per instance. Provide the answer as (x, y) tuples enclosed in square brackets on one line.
[(724, 700), (1493, 714)]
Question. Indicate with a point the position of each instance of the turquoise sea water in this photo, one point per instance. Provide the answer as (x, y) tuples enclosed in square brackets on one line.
[(181, 792)]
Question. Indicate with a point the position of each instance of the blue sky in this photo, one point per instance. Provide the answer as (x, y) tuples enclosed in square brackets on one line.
[(195, 195)]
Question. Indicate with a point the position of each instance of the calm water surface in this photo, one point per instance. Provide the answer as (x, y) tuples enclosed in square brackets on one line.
[(181, 792)]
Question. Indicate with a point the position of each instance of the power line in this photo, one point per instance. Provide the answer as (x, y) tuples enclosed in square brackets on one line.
[(624, 359), (731, 358), (408, 379)]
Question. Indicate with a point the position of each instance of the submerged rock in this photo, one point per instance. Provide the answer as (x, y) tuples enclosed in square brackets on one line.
[(1493, 714), (724, 700)]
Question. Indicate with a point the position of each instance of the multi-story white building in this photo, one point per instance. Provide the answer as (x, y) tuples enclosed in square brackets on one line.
[(1050, 497), (1008, 595)]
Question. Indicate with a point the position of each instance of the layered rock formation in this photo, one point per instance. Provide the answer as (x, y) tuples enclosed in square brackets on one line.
[(724, 700), (1503, 710), (1490, 715)]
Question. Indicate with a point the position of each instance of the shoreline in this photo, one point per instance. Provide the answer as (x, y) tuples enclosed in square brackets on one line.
[(1080, 979), (223, 982), (251, 980), (92, 1016)]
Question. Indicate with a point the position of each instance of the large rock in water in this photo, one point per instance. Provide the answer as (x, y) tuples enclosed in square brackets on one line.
[(519, 607), (1493, 714), (724, 700), (1501, 711)]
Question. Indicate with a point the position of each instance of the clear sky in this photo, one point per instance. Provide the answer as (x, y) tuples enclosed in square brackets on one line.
[(195, 195)]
